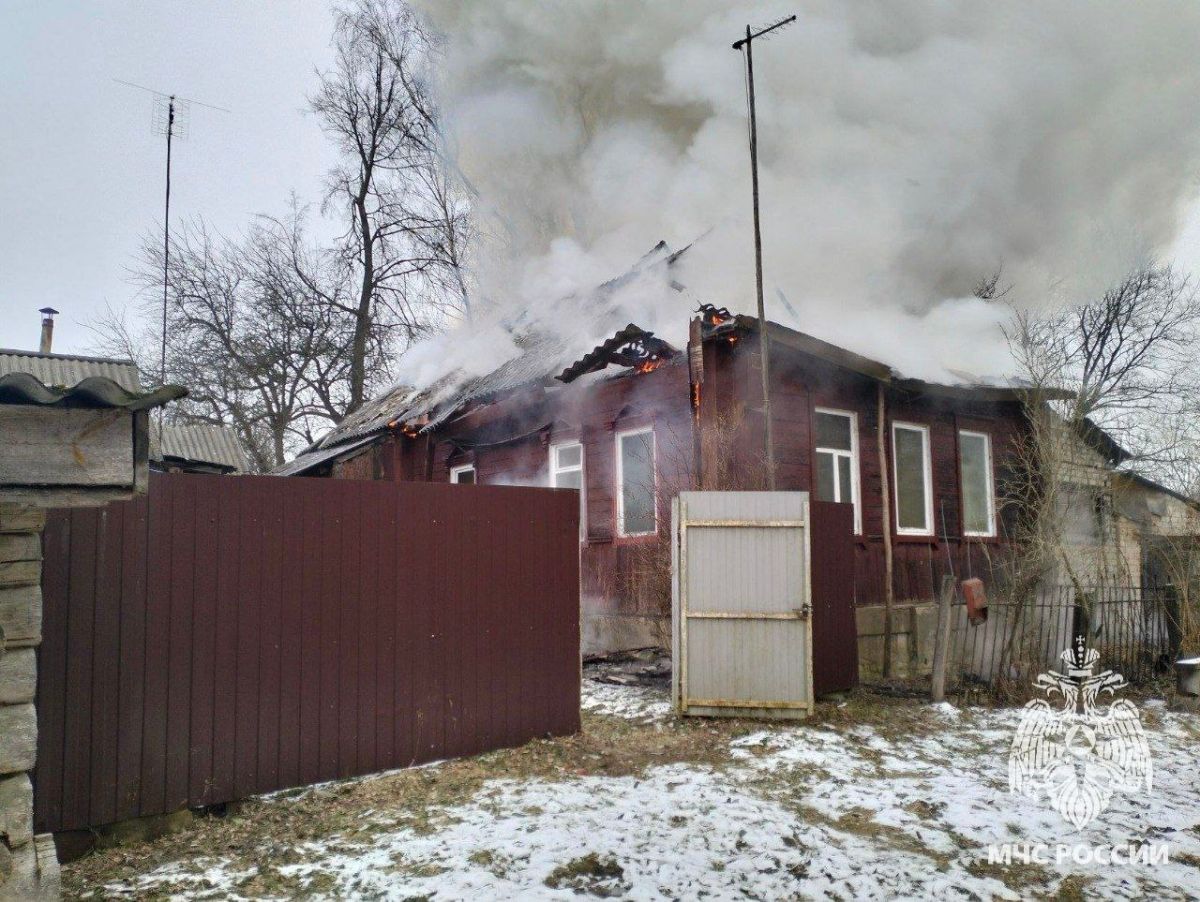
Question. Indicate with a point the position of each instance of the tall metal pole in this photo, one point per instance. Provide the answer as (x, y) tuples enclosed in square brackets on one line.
[(162, 380), (763, 338)]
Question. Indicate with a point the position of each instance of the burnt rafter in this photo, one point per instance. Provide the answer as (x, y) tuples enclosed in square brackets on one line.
[(632, 347), (713, 317)]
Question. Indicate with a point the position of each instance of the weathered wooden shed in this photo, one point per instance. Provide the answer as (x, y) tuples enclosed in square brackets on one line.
[(62, 446)]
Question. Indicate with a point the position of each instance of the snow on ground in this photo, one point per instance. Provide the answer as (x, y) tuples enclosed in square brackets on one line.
[(638, 703), (840, 810)]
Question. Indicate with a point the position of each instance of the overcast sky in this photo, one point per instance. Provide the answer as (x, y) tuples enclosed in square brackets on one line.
[(81, 170)]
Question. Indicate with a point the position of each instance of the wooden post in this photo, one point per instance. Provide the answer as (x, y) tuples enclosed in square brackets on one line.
[(941, 639), (888, 589)]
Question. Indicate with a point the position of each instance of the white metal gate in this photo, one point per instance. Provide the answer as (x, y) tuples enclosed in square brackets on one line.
[(741, 618)]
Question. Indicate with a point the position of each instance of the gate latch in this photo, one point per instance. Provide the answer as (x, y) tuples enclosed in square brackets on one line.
[(804, 611)]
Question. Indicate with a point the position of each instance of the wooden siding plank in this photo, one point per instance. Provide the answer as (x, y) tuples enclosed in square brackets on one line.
[(66, 447)]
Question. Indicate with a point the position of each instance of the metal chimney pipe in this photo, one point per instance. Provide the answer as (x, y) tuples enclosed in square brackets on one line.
[(47, 329)]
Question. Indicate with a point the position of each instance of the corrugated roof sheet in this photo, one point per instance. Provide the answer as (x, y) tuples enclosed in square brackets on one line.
[(66, 370), (92, 392), (201, 443), (310, 458)]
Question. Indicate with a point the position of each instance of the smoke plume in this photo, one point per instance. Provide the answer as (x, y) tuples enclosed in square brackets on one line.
[(907, 150)]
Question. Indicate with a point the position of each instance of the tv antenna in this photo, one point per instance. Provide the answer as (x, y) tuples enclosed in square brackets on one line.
[(746, 46), (170, 119)]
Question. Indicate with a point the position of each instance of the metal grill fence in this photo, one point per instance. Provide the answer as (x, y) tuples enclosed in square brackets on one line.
[(1134, 628)]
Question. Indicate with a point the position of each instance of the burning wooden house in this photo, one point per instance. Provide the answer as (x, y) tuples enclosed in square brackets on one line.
[(635, 419)]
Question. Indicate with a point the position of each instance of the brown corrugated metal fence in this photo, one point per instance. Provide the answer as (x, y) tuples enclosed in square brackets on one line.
[(834, 627), (228, 636)]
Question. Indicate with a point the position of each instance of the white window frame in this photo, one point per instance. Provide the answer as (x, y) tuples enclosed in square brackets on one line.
[(855, 493), (927, 467), (991, 484), (555, 469), (455, 472), (621, 481)]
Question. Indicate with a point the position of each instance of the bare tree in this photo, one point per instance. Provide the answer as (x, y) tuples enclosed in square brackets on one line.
[(404, 243), (1117, 368), (279, 335), (254, 331)]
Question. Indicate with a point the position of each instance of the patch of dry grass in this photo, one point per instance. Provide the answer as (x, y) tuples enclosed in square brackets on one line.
[(262, 835), (265, 833)]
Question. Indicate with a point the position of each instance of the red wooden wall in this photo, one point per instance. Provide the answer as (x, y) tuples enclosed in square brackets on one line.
[(228, 636), (802, 383)]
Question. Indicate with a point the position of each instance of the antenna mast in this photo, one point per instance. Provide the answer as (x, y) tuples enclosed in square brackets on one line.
[(170, 119), (747, 44), (162, 367)]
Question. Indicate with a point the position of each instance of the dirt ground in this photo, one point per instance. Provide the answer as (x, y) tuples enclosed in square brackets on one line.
[(874, 797)]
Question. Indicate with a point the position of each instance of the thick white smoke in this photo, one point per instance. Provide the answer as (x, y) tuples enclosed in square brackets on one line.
[(908, 149)]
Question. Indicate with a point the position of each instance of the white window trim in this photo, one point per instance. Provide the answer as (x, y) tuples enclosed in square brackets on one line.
[(991, 484), (927, 467), (621, 481), (463, 468), (855, 493), (555, 469)]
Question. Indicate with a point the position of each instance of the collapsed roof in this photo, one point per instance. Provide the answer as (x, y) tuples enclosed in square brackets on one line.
[(544, 353)]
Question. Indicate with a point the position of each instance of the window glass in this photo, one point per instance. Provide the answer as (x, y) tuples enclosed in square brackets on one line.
[(569, 455), (637, 513), (845, 490), (566, 472), (976, 467), (836, 460), (569, 479), (463, 475), (825, 483), (833, 431), (911, 474)]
